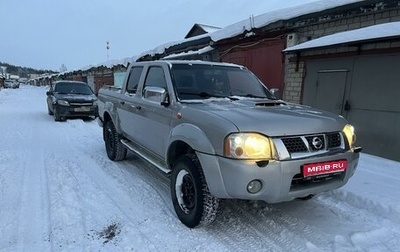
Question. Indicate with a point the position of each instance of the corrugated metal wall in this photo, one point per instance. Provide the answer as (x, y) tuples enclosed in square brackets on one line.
[(265, 59), (365, 90)]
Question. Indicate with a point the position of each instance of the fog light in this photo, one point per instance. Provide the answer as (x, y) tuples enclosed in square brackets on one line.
[(254, 186)]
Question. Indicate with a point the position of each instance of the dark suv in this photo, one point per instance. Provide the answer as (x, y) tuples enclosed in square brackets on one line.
[(71, 99)]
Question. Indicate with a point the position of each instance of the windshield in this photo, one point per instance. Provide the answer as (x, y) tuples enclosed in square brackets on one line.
[(72, 88), (198, 81)]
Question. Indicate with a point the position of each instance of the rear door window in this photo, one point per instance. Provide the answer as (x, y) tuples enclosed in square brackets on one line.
[(133, 79)]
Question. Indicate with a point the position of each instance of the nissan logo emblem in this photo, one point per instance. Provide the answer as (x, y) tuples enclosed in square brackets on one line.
[(317, 143)]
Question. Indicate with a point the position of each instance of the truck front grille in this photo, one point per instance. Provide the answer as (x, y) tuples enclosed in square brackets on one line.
[(334, 140), (294, 144), (313, 143)]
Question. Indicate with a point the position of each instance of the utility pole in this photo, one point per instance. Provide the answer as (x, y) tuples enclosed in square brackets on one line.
[(108, 48)]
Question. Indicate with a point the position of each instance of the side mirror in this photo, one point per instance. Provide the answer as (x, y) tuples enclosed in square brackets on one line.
[(275, 92), (49, 93), (156, 94)]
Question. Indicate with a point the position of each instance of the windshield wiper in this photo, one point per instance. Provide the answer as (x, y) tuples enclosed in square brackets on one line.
[(209, 95), (256, 96)]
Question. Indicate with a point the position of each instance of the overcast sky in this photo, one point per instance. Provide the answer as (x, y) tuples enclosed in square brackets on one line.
[(45, 34)]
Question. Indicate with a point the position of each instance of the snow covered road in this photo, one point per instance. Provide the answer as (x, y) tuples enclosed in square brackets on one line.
[(60, 192)]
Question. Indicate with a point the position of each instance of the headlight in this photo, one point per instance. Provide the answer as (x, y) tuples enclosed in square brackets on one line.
[(348, 130), (95, 103), (62, 103), (248, 146)]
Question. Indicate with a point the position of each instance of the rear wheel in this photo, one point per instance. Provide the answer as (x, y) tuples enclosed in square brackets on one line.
[(115, 150), (192, 200)]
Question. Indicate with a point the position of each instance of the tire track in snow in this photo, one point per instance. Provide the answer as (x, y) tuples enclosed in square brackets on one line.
[(34, 210), (360, 203), (65, 194), (150, 175), (236, 236), (80, 164), (145, 183), (66, 204), (11, 181), (104, 188), (138, 168), (266, 229), (375, 234)]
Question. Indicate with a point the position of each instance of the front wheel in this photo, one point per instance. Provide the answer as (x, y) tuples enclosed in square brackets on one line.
[(57, 117), (115, 150), (192, 200), (50, 112)]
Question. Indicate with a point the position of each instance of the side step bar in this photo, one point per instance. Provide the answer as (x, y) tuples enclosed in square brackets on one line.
[(145, 155)]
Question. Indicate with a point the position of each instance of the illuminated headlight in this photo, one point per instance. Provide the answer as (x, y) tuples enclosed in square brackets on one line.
[(249, 146), (62, 103), (348, 131)]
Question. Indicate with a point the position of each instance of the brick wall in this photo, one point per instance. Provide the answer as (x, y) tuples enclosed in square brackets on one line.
[(294, 74)]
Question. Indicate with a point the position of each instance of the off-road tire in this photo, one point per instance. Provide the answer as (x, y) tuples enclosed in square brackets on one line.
[(194, 205), (115, 150)]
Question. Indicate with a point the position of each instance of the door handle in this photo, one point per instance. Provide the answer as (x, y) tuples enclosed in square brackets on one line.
[(122, 102), (136, 107)]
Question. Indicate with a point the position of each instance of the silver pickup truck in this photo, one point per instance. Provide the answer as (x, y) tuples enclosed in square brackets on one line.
[(221, 134)]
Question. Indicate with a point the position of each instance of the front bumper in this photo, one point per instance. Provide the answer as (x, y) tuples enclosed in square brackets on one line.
[(281, 180), (76, 111)]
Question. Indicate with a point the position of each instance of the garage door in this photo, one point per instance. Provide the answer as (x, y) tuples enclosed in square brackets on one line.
[(370, 100)]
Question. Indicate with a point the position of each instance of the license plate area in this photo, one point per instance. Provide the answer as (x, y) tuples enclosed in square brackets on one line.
[(324, 168), (82, 109)]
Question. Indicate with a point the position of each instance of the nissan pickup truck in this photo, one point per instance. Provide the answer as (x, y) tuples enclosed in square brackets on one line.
[(219, 133)]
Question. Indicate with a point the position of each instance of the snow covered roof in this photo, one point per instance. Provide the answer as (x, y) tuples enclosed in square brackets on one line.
[(258, 22), (277, 15), (209, 28), (200, 51), (242, 26), (111, 63), (374, 32), (200, 29), (161, 48), (108, 64)]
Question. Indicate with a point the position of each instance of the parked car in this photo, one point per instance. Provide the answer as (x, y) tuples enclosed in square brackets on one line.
[(23, 81), (220, 134), (71, 99), (11, 84)]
